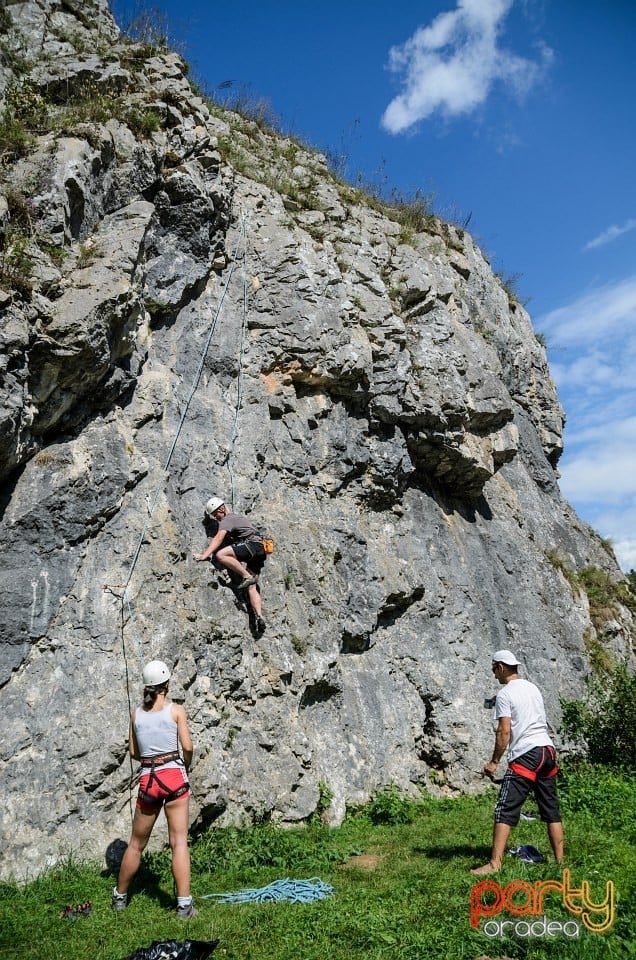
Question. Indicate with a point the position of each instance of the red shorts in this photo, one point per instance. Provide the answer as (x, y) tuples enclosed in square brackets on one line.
[(162, 786)]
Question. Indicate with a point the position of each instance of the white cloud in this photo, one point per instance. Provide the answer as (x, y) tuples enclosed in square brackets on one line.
[(594, 338), (608, 425), (452, 64), (600, 474), (594, 371), (618, 524), (610, 309), (612, 233), (592, 351), (599, 482), (598, 371), (625, 551)]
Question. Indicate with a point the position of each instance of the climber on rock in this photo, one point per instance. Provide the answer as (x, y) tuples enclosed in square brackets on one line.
[(237, 545)]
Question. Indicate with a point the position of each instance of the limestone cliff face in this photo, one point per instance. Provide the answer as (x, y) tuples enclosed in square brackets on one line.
[(194, 306)]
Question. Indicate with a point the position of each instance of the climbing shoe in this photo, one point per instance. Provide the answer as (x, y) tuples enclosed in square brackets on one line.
[(260, 625), (186, 911), (247, 582), (119, 901)]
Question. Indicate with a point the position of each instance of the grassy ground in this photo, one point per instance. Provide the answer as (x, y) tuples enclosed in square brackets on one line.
[(409, 900)]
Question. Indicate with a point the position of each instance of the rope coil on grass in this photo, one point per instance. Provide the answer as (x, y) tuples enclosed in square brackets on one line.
[(291, 891)]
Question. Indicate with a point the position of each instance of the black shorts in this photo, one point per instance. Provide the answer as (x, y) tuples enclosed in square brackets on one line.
[(539, 776), (251, 553)]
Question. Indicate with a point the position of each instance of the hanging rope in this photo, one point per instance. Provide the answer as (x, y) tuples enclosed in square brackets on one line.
[(152, 501), (195, 383), (131, 778), (239, 387)]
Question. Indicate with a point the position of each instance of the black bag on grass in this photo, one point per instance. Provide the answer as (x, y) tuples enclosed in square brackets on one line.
[(172, 950)]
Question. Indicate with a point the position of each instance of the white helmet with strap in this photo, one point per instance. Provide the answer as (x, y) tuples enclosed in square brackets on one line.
[(155, 673), (213, 504)]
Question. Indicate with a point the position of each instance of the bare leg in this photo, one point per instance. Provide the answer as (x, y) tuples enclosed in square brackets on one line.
[(141, 830), (228, 558), (255, 599), (555, 833), (177, 816), (500, 836)]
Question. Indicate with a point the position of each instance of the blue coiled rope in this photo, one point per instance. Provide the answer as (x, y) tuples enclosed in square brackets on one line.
[(292, 891)]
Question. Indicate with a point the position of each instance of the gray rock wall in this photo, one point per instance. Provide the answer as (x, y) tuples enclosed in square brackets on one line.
[(206, 310)]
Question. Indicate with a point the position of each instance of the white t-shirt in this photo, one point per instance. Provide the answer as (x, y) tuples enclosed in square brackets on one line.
[(522, 702)]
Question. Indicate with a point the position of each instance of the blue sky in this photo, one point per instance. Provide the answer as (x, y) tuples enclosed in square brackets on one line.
[(517, 114)]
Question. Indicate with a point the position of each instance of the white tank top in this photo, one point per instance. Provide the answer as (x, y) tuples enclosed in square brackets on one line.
[(156, 733)]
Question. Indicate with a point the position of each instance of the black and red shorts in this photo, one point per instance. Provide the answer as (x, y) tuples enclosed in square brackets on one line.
[(534, 771), (162, 786)]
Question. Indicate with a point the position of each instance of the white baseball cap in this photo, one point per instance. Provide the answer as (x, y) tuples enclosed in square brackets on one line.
[(505, 656)]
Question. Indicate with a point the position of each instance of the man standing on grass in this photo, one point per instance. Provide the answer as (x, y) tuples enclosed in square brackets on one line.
[(522, 730)]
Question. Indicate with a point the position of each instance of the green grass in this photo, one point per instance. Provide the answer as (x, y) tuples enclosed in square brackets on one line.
[(413, 905)]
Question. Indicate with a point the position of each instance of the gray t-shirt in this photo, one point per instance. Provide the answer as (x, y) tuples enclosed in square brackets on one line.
[(238, 529)]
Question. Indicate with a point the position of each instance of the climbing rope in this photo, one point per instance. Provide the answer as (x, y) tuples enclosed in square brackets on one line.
[(131, 777), (291, 891), (239, 386), (152, 500), (195, 383)]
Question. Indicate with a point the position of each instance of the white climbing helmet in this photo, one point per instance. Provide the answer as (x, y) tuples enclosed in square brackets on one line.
[(155, 673), (213, 504)]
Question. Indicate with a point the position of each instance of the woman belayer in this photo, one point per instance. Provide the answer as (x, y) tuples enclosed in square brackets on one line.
[(157, 728)]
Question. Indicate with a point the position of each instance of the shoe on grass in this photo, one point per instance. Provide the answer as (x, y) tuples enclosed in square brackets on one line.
[(119, 901), (186, 911)]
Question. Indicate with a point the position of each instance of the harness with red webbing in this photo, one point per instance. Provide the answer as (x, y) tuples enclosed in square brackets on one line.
[(158, 761), (545, 769)]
